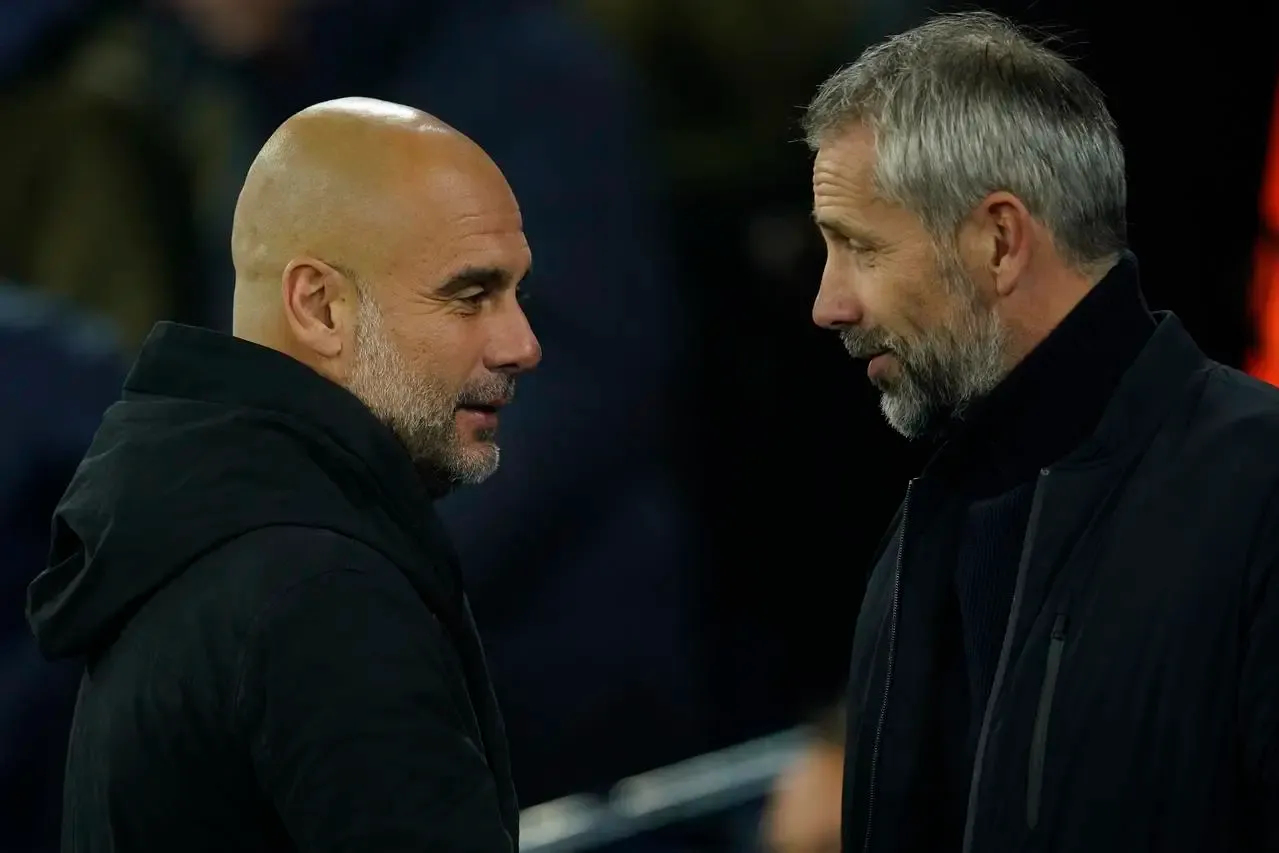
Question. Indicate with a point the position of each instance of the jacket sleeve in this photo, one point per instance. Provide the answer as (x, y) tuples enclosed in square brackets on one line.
[(1259, 685), (355, 736)]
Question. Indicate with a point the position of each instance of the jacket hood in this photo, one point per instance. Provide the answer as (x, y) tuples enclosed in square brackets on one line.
[(213, 437)]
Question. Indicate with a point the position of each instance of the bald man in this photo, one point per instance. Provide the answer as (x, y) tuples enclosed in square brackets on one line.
[(279, 653)]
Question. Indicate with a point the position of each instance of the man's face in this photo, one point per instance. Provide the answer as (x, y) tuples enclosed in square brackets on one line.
[(929, 329), (437, 349)]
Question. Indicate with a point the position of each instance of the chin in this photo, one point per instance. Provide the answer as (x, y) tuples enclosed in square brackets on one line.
[(476, 462)]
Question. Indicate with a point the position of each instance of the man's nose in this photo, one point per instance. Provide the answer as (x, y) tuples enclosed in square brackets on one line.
[(837, 306), (514, 348)]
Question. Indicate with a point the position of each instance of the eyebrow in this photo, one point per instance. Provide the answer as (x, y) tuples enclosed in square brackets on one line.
[(840, 229)]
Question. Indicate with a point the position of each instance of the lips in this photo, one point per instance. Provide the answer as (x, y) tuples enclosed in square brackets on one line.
[(487, 397), (486, 406)]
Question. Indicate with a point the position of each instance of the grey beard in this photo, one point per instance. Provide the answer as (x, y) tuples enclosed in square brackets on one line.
[(417, 410), (942, 371)]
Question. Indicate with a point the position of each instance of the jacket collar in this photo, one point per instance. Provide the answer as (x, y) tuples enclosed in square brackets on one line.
[(198, 364), (1158, 380), (1054, 399)]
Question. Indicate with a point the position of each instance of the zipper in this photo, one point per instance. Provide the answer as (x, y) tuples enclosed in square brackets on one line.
[(888, 671), (1039, 739), (1005, 652)]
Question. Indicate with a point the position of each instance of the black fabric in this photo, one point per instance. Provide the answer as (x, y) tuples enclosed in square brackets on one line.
[(988, 466), (1043, 409), (1133, 701), (279, 652), (985, 572), (1052, 401)]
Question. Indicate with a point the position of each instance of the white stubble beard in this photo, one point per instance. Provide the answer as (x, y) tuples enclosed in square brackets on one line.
[(419, 411), (947, 367)]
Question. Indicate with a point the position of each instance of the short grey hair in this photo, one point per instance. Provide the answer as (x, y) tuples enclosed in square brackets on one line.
[(969, 104)]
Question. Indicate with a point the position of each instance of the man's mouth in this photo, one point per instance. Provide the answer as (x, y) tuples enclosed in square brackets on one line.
[(864, 348), (490, 406), (488, 400)]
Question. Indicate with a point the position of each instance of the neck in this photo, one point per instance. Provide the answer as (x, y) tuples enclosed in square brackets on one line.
[(1047, 298), (257, 319), (1055, 395), (268, 329), (248, 314)]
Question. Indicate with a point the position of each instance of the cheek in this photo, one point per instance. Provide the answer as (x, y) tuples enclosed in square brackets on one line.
[(431, 348), (894, 303), (442, 368), (921, 301), (454, 356)]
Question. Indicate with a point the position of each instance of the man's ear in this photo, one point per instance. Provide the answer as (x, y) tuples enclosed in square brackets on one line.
[(998, 238), (315, 305)]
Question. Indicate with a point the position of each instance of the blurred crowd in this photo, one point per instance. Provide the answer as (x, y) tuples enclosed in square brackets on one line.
[(671, 557)]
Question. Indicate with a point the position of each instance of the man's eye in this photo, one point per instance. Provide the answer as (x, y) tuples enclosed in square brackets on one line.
[(473, 298)]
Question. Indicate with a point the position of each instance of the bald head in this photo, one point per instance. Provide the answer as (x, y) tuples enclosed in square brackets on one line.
[(354, 184)]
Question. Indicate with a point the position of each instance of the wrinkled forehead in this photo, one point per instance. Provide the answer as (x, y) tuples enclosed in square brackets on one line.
[(848, 202), (455, 219), (470, 189), (844, 167)]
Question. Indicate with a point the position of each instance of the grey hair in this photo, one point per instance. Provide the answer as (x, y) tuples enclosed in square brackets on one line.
[(968, 104)]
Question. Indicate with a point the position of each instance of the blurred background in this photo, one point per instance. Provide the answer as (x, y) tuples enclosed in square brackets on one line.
[(667, 568)]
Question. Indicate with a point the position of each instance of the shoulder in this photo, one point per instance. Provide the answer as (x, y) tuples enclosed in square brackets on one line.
[(1233, 397), (315, 595), (286, 554), (327, 605), (285, 572), (311, 549), (1235, 419), (1218, 455)]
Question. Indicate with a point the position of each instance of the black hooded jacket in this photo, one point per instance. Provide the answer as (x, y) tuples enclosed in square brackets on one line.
[(1133, 694), (279, 654)]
